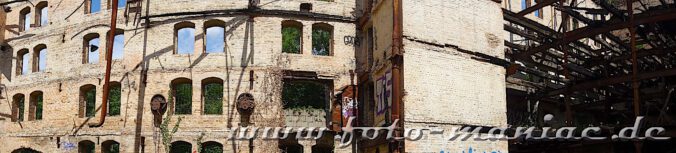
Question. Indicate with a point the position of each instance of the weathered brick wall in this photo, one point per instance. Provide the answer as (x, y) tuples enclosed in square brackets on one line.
[(250, 46), (444, 87)]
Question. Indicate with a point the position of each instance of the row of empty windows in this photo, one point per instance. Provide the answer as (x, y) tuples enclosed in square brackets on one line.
[(92, 47), (38, 60), (35, 103), (181, 93), (109, 146), (94, 6), (292, 38), (41, 17)]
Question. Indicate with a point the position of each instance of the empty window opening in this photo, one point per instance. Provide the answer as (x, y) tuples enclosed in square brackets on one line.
[(86, 146), (114, 99), (180, 147), (35, 107), (93, 6), (41, 15), (25, 19), (91, 49), (212, 89), (25, 150), (118, 44), (211, 147), (182, 92), (110, 146), (87, 101), (215, 36), (23, 62), (40, 58), (185, 38), (322, 39), (292, 33), (305, 94), (18, 107)]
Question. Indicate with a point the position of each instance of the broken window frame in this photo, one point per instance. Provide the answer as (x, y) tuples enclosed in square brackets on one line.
[(206, 100), (317, 29), (311, 77), (214, 24), (291, 24)]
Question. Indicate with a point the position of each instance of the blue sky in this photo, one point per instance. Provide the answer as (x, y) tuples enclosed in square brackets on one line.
[(27, 21), (215, 40), (118, 47), (94, 56), (25, 61), (186, 41), (44, 17), (95, 6), (121, 3), (43, 60)]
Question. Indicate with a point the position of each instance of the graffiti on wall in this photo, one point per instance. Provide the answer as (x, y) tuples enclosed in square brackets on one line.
[(383, 98)]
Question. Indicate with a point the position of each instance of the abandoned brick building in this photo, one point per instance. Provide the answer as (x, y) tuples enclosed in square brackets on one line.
[(179, 75)]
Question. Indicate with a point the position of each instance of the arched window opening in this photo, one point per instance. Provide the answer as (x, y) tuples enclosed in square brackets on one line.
[(118, 44), (92, 6), (18, 107), (86, 146), (181, 90), (180, 147), (212, 96), (211, 147), (322, 39), (40, 58), (215, 36), (184, 38), (292, 32), (22, 62), (87, 101), (25, 150), (35, 107), (25, 19), (41, 15), (91, 49), (114, 99), (110, 146)]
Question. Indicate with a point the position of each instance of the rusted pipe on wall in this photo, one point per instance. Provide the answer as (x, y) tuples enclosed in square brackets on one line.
[(397, 61), (109, 59)]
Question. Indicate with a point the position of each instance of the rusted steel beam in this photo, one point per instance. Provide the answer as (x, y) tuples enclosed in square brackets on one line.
[(648, 17), (537, 6), (109, 59), (613, 80)]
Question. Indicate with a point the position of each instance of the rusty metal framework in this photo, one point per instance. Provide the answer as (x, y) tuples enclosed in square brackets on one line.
[(624, 56)]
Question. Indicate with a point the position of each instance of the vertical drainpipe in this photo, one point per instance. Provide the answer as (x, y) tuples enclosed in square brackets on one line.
[(109, 58), (397, 60)]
